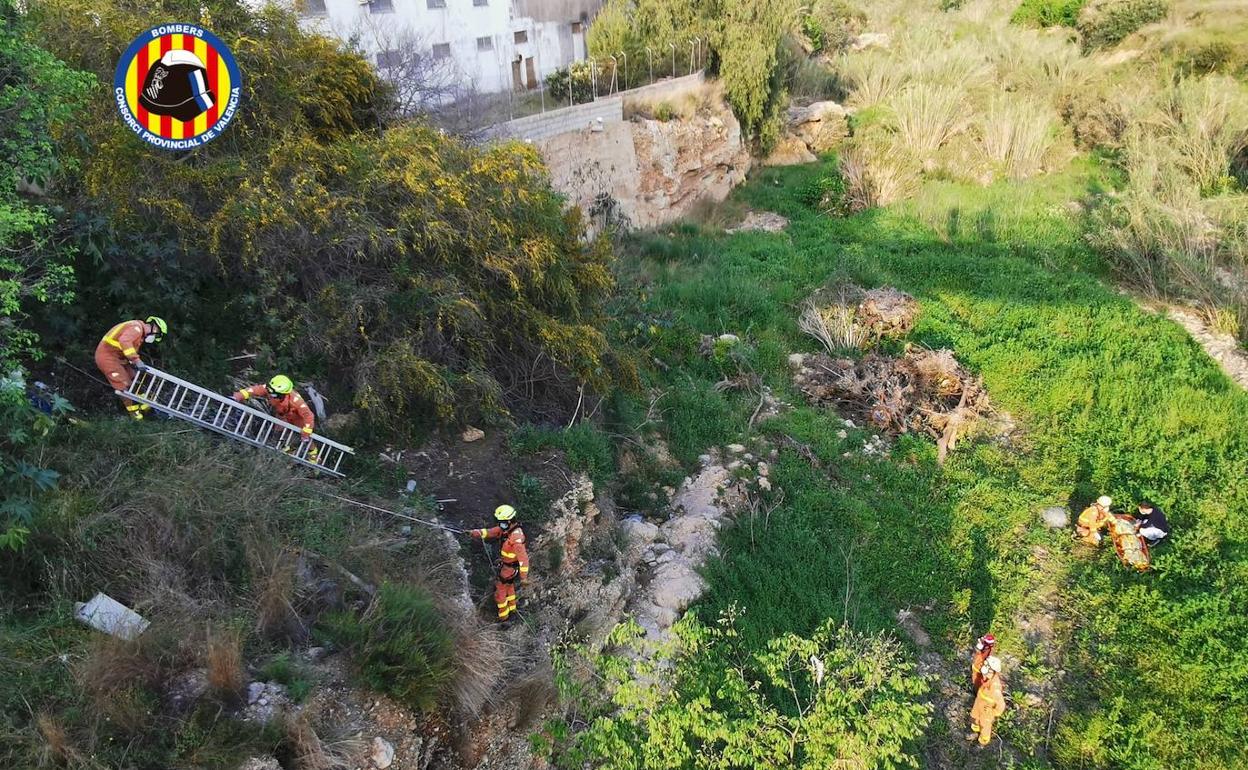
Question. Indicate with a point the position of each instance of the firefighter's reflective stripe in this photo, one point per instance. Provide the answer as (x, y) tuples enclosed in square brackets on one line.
[(111, 337), (507, 554), (129, 352), (246, 393), (307, 430), (134, 407)]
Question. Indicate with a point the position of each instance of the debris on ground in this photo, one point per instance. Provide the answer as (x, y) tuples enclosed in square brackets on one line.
[(762, 221), (922, 391), (104, 613), (472, 434)]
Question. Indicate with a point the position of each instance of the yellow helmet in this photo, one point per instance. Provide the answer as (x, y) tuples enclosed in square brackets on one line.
[(159, 327), (281, 384), (504, 513)]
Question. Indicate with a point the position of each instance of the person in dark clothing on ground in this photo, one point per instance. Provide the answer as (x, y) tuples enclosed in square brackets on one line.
[(1152, 523)]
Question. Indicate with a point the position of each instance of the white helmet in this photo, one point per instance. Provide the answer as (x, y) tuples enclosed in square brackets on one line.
[(1104, 501)]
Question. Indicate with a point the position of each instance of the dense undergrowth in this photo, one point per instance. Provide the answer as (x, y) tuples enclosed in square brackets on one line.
[(1109, 399), (238, 562)]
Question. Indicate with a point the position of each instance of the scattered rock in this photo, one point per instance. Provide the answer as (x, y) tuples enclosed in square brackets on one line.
[(789, 151), (910, 624), (186, 689), (1221, 347), (266, 701), (676, 584), (796, 359), (764, 483), (821, 126), (472, 434), (763, 221), (1056, 517), (383, 753), (763, 468), (315, 654), (261, 763), (736, 449), (728, 339)]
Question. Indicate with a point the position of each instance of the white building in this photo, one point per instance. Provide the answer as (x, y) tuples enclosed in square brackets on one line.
[(487, 46)]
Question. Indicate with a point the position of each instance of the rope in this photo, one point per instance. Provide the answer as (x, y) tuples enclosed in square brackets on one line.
[(433, 524)]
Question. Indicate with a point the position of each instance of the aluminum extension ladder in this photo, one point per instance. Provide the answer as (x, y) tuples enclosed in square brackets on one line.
[(198, 406)]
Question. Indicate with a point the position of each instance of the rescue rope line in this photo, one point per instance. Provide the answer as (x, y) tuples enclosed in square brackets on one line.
[(396, 514)]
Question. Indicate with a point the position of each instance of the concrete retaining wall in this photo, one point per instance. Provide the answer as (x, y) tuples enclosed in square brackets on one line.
[(582, 116), (536, 127)]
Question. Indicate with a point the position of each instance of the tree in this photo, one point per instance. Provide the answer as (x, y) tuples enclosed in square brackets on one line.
[(419, 278), (38, 93)]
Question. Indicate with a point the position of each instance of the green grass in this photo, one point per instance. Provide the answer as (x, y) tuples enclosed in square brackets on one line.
[(1111, 400)]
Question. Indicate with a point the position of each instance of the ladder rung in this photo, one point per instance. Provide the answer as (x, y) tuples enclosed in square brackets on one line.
[(233, 419)]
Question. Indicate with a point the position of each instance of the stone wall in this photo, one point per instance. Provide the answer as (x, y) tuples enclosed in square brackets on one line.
[(640, 173)]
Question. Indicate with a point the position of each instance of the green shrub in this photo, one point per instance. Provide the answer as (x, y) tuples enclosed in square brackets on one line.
[(286, 671), (400, 643), (530, 497), (407, 272), (800, 702), (1048, 13), (575, 80), (585, 447), (832, 24), (664, 112), (1104, 23)]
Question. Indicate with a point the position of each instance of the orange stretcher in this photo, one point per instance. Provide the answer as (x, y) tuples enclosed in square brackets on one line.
[(1132, 548)]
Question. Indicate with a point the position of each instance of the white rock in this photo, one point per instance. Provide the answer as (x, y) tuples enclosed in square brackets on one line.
[(842, 434), (796, 360), (729, 339), (849, 424), (383, 753), (676, 585), (254, 691), (764, 483), (763, 469), (640, 533), (705, 459), (472, 434), (734, 465), (1056, 517), (736, 449)]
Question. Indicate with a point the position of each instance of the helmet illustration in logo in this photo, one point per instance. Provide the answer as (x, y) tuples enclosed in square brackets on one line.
[(177, 86)]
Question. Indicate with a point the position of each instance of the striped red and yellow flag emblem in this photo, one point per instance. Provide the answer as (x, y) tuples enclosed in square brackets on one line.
[(218, 82)]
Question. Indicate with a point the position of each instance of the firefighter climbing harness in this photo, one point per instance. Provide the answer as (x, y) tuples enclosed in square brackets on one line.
[(198, 406)]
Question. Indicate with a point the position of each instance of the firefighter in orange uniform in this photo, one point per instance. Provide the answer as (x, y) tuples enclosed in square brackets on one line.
[(117, 355), (984, 647), (1094, 518), (287, 405), (989, 702), (514, 564)]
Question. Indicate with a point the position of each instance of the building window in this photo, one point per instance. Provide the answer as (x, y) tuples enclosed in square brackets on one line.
[(480, 3), (522, 36), (441, 50), (313, 7), (577, 27), (435, 3), (380, 5), (389, 59), (485, 44)]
